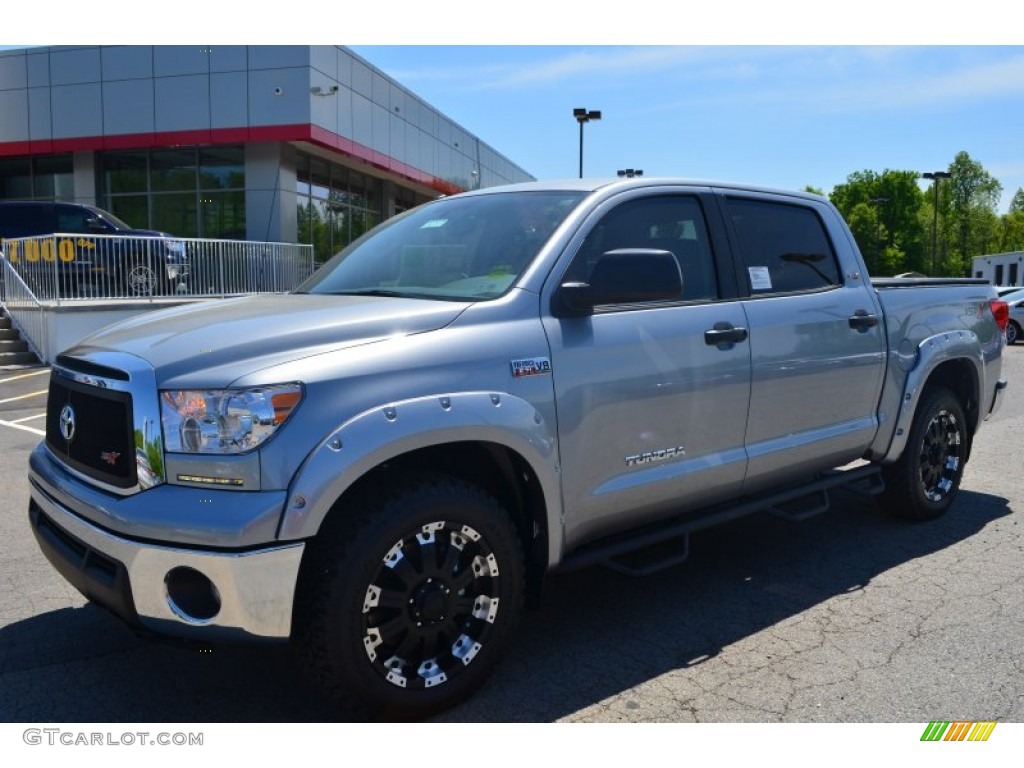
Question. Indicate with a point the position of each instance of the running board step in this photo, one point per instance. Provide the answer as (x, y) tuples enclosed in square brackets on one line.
[(802, 508), (657, 557), (796, 503)]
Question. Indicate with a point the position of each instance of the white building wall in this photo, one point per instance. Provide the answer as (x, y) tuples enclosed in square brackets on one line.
[(1000, 268)]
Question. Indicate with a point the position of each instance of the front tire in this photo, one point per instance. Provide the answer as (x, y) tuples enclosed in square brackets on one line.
[(923, 483), (407, 602)]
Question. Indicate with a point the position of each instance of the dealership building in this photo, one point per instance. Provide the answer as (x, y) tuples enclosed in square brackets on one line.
[(297, 144)]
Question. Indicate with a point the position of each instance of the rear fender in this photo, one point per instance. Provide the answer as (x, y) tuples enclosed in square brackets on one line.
[(930, 355)]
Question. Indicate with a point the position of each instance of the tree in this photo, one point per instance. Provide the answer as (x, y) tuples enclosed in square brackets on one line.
[(883, 211), (972, 199), (1017, 204), (1012, 235)]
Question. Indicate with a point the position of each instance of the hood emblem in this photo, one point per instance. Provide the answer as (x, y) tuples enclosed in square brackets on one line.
[(67, 423)]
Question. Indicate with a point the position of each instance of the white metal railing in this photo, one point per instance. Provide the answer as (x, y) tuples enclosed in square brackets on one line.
[(69, 267), (23, 308)]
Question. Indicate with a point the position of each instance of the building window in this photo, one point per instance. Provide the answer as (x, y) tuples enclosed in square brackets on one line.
[(1013, 274), (334, 205), (999, 274), (186, 191), (49, 177)]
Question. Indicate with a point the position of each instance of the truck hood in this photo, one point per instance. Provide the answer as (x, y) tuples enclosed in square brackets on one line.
[(212, 343)]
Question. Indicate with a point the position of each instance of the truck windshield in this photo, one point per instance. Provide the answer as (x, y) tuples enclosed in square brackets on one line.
[(457, 249)]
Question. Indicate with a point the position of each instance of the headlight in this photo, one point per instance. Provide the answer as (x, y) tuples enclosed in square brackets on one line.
[(225, 420)]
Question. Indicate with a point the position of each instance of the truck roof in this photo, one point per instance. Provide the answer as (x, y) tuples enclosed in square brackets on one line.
[(593, 184)]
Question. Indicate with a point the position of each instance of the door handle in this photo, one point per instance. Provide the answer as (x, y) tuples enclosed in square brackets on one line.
[(861, 320), (724, 335)]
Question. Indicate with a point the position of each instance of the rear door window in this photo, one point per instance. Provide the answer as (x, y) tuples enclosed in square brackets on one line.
[(25, 220), (784, 247)]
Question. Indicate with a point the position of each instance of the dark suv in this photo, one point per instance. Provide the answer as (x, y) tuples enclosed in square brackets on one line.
[(84, 259)]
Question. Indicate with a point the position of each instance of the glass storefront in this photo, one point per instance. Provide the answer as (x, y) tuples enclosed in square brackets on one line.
[(336, 204), (200, 192), (48, 177), (187, 191)]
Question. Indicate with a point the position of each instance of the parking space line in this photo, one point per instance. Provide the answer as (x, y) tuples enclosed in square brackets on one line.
[(25, 375), (22, 397), (33, 430), (29, 418)]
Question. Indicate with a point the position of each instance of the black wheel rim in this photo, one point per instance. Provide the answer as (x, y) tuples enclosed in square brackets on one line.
[(431, 605), (940, 456)]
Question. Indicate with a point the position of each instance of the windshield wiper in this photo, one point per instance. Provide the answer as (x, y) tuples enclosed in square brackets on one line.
[(371, 292)]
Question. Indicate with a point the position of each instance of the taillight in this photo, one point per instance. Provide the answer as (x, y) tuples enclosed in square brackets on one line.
[(1001, 312)]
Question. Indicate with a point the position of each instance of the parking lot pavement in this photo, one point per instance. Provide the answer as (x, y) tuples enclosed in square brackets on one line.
[(23, 399), (848, 617)]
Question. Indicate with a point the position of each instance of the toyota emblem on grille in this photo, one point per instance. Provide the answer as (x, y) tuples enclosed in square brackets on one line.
[(67, 423)]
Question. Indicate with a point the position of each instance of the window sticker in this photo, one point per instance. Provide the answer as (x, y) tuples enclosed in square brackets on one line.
[(760, 279)]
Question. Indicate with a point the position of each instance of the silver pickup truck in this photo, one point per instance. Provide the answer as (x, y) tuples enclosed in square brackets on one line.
[(383, 465)]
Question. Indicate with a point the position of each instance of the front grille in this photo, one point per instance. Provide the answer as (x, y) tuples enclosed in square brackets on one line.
[(102, 444)]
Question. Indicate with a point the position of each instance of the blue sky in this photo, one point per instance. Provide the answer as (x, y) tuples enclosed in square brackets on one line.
[(785, 116)]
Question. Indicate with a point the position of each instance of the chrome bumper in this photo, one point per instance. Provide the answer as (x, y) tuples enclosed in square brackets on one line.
[(243, 595)]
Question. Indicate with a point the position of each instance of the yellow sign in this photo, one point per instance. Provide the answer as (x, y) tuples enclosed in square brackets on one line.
[(48, 250)]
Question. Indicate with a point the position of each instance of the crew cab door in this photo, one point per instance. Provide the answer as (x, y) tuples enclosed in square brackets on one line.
[(651, 396), (816, 338)]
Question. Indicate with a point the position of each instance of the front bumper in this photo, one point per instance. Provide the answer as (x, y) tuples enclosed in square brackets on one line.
[(170, 589)]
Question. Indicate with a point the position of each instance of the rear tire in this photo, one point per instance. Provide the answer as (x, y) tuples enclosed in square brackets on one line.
[(1012, 332), (925, 480), (407, 602)]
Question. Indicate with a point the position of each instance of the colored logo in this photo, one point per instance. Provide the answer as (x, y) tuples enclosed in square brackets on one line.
[(531, 366), (958, 731)]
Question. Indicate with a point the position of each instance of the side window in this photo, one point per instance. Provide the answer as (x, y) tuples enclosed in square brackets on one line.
[(673, 223), (71, 219), (784, 247)]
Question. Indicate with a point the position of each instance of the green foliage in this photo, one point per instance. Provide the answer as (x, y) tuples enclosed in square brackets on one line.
[(973, 195), (1011, 237), (1017, 204), (883, 211), (900, 228)]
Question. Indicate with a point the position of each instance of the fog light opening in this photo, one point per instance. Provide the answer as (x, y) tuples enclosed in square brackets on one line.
[(191, 595)]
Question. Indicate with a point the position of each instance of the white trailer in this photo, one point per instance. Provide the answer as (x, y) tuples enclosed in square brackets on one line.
[(1001, 268)]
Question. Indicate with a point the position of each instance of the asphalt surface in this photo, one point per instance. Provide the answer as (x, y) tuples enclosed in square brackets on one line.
[(847, 617)]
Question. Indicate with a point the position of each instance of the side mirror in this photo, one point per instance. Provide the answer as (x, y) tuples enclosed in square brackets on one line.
[(96, 224), (624, 276)]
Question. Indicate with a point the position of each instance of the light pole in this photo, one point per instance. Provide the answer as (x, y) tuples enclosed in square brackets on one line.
[(583, 116), (629, 173), (936, 177)]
